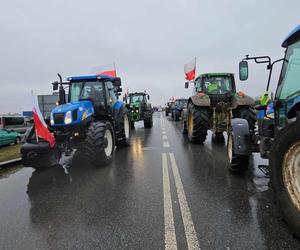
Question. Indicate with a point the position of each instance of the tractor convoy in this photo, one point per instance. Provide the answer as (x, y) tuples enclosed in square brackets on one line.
[(92, 121)]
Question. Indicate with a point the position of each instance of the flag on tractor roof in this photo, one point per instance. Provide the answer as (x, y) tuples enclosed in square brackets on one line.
[(190, 70), (41, 128), (105, 70)]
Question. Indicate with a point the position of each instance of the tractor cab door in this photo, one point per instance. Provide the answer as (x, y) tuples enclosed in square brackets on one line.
[(111, 98)]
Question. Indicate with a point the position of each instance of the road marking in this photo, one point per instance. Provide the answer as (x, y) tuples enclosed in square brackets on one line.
[(170, 236), (165, 137), (190, 232), (166, 144), (163, 132)]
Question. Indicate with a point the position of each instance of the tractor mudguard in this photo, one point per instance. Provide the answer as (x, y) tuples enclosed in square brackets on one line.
[(241, 136), (202, 101), (243, 100)]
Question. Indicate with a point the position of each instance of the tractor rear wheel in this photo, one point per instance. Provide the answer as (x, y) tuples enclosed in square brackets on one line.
[(125, 131), (197, 123), (285, 173), (148, 121), (99, 143)]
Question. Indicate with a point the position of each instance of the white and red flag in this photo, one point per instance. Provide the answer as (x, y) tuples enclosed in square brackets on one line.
[(106, 70), (190, 70), (41, 128)]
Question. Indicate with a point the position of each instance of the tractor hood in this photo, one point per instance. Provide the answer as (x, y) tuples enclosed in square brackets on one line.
[(71, 113), (134, 104)]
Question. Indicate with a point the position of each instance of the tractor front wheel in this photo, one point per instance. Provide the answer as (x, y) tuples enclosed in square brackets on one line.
[(99, 143), (236, 162), (197, 124), (285, 173)]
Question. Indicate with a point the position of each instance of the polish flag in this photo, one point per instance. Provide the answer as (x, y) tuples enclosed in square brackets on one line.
[(106, 70), (41, 128), (190, 70)]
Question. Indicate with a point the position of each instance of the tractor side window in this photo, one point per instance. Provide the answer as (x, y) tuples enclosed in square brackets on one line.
[(289, 79), (111, 92)]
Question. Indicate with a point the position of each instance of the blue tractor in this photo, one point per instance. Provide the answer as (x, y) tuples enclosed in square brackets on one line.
[(277, 137), (180, 104), (92, 121)]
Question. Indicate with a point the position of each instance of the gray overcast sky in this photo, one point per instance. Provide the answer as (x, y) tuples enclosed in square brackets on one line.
[(149, 40)]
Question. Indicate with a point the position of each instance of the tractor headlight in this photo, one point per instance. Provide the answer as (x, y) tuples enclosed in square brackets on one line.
[(51, 119), (68, 117)]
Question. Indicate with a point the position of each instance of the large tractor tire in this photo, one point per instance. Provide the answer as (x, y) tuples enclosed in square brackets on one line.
[(248, 114), (197, 123), (125, 131), (148, 120), (285, 173), (99, 143), (236, 162)]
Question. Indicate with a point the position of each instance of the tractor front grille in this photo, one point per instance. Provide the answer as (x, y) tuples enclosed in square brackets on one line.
[(59, 118)]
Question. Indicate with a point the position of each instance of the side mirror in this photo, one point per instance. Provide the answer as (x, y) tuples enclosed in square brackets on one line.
[(186, 85), (148, 97), (117, 82), (55, 86), (243, 70)]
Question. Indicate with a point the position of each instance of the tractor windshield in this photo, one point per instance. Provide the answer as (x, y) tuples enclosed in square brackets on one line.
[(136, 98), (87, 90), (216, 84), (181, 103), (289, 81)]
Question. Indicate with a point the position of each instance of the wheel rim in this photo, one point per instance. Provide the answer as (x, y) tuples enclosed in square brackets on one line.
[(109, 145), (190, 123), (126, 126), (229, 147), (291, 173)]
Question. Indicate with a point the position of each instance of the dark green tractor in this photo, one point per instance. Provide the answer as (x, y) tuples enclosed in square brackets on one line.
[(140, 109), (212, 106)]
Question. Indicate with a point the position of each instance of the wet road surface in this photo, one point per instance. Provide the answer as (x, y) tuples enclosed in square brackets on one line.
[(161, 192)]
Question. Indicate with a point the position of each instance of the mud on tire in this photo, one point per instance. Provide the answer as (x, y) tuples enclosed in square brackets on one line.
[(99, 143), (197, 123), (284, 166)]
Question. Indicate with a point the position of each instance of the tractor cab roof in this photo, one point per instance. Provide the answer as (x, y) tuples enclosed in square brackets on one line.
[(215, 74), (91, 78), (137, 93), (292, 36)]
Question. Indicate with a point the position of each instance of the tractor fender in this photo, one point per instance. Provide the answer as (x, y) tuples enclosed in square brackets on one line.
[(245, 100), (241, 136), (202, 101)]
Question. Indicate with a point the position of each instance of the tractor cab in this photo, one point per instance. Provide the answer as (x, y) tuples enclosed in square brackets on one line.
[(88, 96), (217, 86)]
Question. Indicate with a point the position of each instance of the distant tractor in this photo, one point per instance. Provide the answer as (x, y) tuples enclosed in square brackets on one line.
[(93, 121), (212, 106), (140, 109), (169, 107), (278, 135), (179, 105)]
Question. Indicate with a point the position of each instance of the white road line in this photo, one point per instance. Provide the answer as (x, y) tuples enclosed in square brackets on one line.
[(165, 137), (166, 144), (190, 232), (170, 236), (163, 132)]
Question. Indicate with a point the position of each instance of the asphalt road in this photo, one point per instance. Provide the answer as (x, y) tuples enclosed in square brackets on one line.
[(160, 193)]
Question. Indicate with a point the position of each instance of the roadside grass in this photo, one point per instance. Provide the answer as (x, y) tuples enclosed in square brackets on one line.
[(9, 152)]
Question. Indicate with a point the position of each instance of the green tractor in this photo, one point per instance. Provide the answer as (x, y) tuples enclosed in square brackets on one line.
[(140, 109), (212, 106)]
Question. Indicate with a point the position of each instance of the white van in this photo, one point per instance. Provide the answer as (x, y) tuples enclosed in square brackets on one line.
[(15, 123)]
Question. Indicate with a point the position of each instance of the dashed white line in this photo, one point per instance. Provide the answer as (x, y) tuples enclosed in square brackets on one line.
[(170, 236), (189, 228), (164, 137), (166, 144)]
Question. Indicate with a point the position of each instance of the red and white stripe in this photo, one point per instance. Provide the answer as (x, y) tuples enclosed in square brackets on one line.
[(190, 70)]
